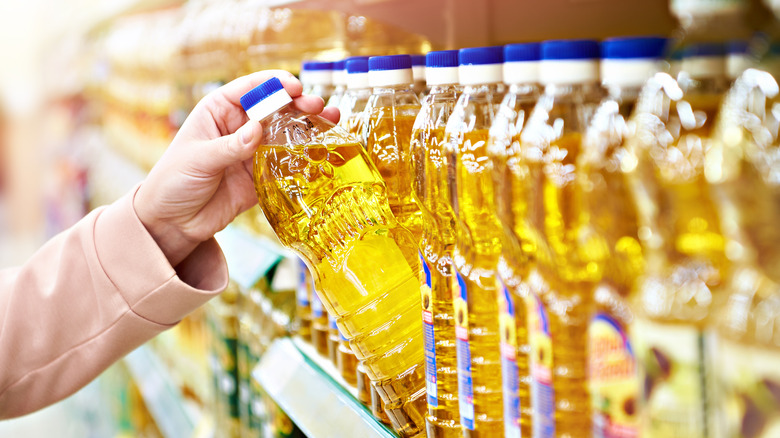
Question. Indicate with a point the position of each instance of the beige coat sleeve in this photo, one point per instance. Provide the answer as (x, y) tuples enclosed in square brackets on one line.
[(88, 297)]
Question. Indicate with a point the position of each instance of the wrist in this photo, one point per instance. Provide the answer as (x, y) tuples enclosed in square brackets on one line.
[(173, 243)]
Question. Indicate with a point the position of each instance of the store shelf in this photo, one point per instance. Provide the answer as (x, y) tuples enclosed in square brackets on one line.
[(162, 397), (309, 389)]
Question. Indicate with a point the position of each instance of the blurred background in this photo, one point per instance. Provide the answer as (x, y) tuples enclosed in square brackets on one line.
[(92, 92)]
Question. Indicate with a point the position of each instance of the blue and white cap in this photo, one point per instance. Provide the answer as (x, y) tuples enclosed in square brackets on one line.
[(357, 72), (441, 67), (340, 72), (629, 62), (521, 63), (386, 71), (739, 58), (569, 62), (481, 65), (418, 68), (317, 73), (704, 60), (265, 99)]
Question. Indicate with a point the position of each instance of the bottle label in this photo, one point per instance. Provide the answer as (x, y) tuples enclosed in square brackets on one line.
[(428, 336), (302, 292), (463, 349), (613, 382), (509, 371), (542, 394), (317, 311), (750, 378), (673, 365)]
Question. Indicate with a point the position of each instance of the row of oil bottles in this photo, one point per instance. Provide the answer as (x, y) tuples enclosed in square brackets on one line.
[(242, 324), (589, 235)]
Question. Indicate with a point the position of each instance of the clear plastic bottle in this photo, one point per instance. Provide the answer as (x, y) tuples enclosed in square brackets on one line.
[(418, 76), (432, 191), (679, 228), (389, 118), (477, 240), (325, 200), (742, 168), (521, 74), (353, 103), (626, 63), (317, 78), (339, 83), (563, 279)]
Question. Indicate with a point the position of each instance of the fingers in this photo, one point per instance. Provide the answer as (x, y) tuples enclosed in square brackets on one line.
[(227, 150), (309, 104), (331, 113)]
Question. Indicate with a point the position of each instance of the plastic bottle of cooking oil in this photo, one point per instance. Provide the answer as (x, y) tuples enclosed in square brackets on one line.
[(432, 191), (333, 339), (317, 78), (326, 200), (303, 302), (477, 240), (679, 228), (521, 74), (741, 166), (418, 76), (355, 98), (389, 118), (339, 73), (563, 280), (626, 63)]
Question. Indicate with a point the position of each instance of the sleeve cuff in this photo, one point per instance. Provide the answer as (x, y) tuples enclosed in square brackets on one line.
[(136, 265)]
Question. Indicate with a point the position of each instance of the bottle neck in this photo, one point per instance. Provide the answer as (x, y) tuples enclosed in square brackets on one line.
[(627, 94), (484, 88), (560, 90), (524, 89), (286, 112), (445, 89)]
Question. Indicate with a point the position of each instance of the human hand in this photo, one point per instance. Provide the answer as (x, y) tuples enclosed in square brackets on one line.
[(204, 179)]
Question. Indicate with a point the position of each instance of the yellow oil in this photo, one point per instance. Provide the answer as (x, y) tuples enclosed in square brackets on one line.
[(680, 230), (346, 362), (608, 208), (475, 257), (333, 340), (438, 238), (518, 254), (329, 204), (319, 322), (388, 133), (363, 385)]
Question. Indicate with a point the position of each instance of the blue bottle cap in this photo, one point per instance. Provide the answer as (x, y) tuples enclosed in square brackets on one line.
[(392, 62), (443, 58), (704, 50), (735, 47), (260, 92), (522, 52), (339, 65), (570, 49), (481, 55), (357, 64), (418, 60), (317, 65), (652, 47)]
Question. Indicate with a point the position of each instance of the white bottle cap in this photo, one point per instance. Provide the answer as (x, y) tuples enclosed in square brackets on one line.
[(441, 67), (704, 60), (387, 71), (357, 72), (569, 62), (265, 99), (521, 63), (340, 73), (481, 65)]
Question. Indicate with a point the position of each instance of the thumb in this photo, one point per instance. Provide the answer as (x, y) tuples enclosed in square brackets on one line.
[(234, 148)]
